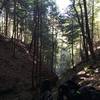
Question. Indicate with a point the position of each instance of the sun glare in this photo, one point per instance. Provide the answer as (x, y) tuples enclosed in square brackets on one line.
[(62, 4)]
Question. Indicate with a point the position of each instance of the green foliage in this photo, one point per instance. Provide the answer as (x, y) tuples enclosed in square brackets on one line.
[(40, 17)]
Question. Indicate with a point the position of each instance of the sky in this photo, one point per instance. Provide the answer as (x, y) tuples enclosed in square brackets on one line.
[(62, 4)]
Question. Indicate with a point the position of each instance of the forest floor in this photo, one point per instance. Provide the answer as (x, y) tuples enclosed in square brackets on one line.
[(16, 73), (86, 73), (89, 75)]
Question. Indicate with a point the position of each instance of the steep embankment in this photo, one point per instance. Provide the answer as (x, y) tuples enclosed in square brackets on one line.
[(16, 73)]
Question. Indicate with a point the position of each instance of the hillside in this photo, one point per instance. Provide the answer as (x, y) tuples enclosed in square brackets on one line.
[(86, 73), (16, 73)]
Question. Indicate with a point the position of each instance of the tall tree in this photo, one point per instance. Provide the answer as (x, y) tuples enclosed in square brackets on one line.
[(92, 34), (82, 26), (7, 16), (89, 40), (14, 28)]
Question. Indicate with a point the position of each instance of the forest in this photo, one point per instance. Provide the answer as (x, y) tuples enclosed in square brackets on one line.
[(44, 50)]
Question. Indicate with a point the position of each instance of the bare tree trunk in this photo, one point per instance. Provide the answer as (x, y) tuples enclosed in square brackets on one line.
[(6, 27), (14, 28), (92, 34), (52, 52), (89, 40), (72, 45), (2, 25), (17, 29), (35, 46), (82, 24)]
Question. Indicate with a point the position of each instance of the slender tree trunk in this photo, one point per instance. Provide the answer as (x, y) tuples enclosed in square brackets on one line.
[(17, 29), (89, 40), (14, 28), (85, 46), (30, 47), (6, 27), (2, 24), (81, 23), (81, 54), (72, 45), (41, 41), (35, 47), (52, 53), (92, 34)]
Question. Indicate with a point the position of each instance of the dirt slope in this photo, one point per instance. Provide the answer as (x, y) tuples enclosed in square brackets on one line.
[(16, 73)]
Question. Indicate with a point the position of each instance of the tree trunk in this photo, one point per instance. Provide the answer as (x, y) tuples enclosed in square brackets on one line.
[(81, 23), (85, 46), (6, 27), (89, 40), (92, 34), (17, 28), (72, 45), (52, 52), (14, 28)]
